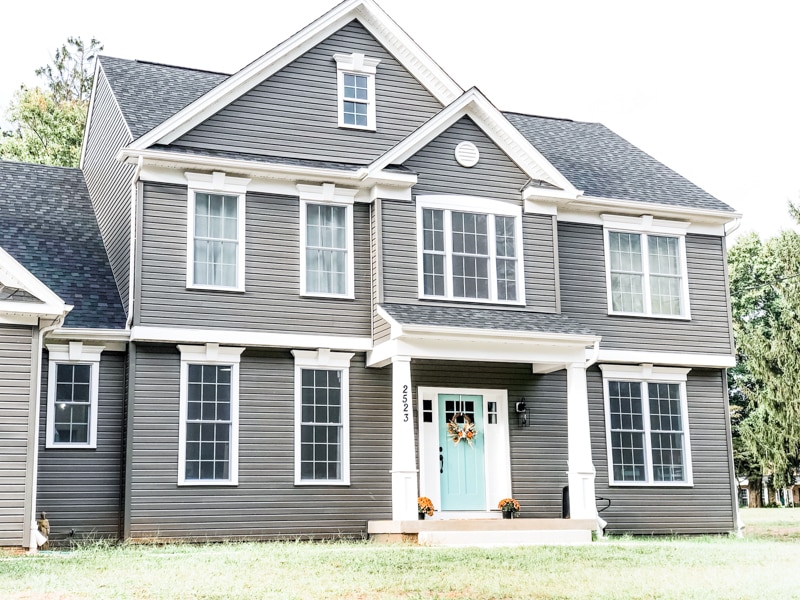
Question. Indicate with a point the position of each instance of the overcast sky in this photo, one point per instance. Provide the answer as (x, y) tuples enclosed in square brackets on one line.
[(709, 87)]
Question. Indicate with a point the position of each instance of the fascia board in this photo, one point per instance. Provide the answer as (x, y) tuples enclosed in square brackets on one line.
[(494, 124), (366, 11), (499, 335), (90, 334), (12, 272), (32, 309), (598, 204)]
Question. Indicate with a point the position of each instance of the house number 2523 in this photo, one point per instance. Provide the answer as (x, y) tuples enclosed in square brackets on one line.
[(405, 404)]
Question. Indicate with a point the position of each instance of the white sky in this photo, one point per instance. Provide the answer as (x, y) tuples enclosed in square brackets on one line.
[(709, 87)]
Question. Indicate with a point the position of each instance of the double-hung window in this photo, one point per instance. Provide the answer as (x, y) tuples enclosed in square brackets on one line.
[(209, 415), (216, 231), (72, 395), (356, 90), (646, 421), (646, 267), (322, 446), (326, 234), (470, 249)]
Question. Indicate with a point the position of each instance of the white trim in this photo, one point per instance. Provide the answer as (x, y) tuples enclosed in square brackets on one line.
[(209, 354), (495, 125), (374, 19), (329, 194), (688, 359), (265, 339), (655, 228), (73, 353), (322, 359), (14, 274), (360, 65), (644, 374), (217, 183), (472, 204), (90, 334)]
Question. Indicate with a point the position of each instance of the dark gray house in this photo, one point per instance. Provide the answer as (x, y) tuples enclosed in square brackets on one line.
[(288, 301)]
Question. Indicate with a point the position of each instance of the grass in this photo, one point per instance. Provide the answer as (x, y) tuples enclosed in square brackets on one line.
[(758, 565)]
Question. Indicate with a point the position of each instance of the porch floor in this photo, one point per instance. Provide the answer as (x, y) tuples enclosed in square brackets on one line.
[(483, 532)]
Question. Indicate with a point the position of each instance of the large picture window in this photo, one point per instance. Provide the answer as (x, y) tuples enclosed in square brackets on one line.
[(472, 254), (322, 413), (209, 414), (72, 395), (646, 273), (647, 432)]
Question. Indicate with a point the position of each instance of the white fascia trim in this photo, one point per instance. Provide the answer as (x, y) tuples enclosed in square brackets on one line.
[(102, 335), (144, 333), (371, 16), (396, 328), (73, 353), (688, 359), (492, 122), (644, 372), (13, 273), (10, 308), (559, 339)]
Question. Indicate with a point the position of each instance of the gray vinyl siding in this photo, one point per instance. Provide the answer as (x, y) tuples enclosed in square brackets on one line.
[(295, 112), (583, 296), (495, 175), (80, 488), (707, 507), (266, 504), (272, 299), (108, 181), (539, 451), (400, 266), (16, 356)]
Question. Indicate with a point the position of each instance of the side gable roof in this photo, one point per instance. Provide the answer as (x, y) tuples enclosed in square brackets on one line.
[(605, 165), (368, 13), (149, 93), (47, 224)]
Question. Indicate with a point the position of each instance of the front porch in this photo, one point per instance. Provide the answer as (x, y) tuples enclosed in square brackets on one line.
[(485, 532)]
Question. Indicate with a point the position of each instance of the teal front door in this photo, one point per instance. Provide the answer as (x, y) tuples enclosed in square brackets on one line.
[(462, 478)]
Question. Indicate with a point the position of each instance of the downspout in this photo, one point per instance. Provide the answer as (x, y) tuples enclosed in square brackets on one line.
[(132, 245), (59, 321)]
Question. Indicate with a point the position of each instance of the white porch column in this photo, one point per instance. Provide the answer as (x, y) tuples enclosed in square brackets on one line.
[(404, 464), (580, 468)]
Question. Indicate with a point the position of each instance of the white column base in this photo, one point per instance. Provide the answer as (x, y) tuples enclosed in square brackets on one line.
[(582, 503), (404, 495)]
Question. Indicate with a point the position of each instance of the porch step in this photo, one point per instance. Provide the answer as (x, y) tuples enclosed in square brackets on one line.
[(483, 532)]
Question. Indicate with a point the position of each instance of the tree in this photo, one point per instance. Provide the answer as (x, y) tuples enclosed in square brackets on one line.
[(47, 124), (764, 387)]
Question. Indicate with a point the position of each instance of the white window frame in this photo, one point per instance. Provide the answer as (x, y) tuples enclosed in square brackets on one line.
[(216, 355), (221, 184), (322, 359), (471, 204), (73, 353), (645, 226), (356, 64), (331, 195), (645, 374)]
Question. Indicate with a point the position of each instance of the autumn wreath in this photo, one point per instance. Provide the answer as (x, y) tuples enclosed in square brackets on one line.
[(461, 431)]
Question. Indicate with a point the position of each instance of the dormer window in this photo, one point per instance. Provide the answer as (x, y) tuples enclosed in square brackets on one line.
[(356, 90)]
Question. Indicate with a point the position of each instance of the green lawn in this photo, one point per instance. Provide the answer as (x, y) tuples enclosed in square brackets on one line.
[(759, 565)]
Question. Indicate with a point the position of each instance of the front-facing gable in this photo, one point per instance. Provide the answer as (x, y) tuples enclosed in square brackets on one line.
[(294, 113)]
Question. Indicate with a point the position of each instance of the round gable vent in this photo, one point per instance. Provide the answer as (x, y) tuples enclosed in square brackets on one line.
[(467, 154)]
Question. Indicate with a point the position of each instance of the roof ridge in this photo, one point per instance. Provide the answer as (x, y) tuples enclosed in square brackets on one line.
[(160, 64), (522, 114)]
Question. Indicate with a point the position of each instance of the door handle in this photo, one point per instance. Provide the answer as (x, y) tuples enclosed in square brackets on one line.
[(441, 460)]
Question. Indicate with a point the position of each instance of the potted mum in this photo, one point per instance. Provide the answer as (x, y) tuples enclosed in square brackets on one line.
[(425, 507), (509, 506)]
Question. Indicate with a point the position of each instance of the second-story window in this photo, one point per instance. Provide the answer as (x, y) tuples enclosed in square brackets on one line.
[(356, 90), (215, 232), (470, 255)]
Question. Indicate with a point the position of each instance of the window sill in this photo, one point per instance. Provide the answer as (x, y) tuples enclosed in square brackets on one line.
[(63, 446), (208, 483), (306, 483), (357, 127), (473, 301), (328, 296), (646, 316), (654, 484), (215, 288)]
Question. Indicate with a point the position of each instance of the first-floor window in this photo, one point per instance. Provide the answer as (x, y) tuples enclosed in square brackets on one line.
[(647, 431), (209, 415), (322, 401), (72, 396)]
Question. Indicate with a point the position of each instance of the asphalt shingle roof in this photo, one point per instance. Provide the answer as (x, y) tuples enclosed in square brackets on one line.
[(47, 224), (483, 318), (602, 164), (149, 93)]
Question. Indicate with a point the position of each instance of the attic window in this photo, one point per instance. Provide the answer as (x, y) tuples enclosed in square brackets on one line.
[(356, 90)]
